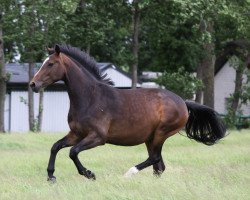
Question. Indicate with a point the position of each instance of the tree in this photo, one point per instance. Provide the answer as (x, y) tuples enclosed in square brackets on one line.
[(168, 38), (202, 14), (235, 47), (35, 21), (207, 68), (102, 29), (2, 76), (87, 24), (29, 24), (135, 41), (210, 22), (4, 17), (238, 54)]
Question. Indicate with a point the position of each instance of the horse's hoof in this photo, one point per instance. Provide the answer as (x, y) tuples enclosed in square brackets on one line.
[(90, 175), (157, 173), (52, 179)]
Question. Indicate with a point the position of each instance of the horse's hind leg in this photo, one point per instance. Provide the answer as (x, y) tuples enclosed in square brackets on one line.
[(68, 140), (153, 159), (159, 167), (154, 148)]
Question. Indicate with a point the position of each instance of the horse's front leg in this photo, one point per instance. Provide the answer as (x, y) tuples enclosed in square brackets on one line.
[(67, 141), (92, 140)]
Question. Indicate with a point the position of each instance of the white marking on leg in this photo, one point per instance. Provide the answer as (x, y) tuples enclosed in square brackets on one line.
[(132, 171)]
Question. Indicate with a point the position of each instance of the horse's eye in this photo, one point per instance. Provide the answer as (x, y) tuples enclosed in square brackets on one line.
[(50, 64)]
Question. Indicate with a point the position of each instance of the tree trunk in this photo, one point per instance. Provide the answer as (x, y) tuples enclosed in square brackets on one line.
[(82, 4), (237, 90), (208, 77), (41, 93), (198, 96), (207, 65), (135, 42), (2, 79), (40, 111), (31, 99), (31, 61), (238, 85)]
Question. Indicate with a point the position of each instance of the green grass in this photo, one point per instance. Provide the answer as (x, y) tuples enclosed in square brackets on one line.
[(194, 171)]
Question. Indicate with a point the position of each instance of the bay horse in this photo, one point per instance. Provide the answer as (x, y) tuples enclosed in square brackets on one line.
[(100, 113)]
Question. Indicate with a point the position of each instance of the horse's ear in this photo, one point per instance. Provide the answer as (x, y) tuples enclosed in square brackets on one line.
[(57, 49), (50, 50)]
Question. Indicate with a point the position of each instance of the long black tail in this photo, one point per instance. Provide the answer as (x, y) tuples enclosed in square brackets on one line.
[(204, 124)]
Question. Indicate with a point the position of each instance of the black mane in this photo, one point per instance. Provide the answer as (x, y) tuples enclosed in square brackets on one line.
[(86, 62)]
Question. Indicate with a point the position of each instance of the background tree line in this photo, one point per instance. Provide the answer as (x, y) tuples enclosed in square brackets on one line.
[(177, 37)]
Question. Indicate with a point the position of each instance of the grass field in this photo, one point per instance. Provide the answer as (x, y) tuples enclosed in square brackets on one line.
[(194, 171)]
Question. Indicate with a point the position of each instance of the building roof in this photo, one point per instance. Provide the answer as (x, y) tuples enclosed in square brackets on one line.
[(19, 73)]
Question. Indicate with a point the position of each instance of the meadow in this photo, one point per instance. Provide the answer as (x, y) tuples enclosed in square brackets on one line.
[(193, 170)]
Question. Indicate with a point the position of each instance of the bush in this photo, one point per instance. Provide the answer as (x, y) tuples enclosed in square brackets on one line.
[(181, 82)]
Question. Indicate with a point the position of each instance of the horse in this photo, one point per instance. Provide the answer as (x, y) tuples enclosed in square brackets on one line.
[(99, 113)]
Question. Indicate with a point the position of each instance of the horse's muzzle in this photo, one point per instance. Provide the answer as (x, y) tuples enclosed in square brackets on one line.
[(35, 86)]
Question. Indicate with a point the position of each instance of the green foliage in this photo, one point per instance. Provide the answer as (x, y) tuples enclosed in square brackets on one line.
[(169, 31), (23, 100), (235, 120), (34, 25), (181, 82), (231, 117), (102, 29), (167, 40)]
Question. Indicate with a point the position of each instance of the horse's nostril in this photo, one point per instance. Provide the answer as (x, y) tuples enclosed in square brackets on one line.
[(35, 86), (32, 85)]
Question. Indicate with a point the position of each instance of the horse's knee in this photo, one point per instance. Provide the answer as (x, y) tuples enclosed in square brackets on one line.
[(73, 153), (54, 149)]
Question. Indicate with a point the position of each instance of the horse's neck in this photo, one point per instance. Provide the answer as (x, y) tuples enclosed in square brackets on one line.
[(80, 88)]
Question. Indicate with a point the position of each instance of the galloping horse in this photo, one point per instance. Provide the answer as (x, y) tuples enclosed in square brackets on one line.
[(100, 113)]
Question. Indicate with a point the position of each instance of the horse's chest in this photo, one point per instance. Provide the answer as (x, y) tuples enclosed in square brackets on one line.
[(82, 127)]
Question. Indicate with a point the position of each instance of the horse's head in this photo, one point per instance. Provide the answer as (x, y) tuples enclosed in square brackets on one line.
[(52, 70)]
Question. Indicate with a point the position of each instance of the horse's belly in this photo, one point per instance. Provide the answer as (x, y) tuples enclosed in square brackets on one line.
[(129, 136)]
